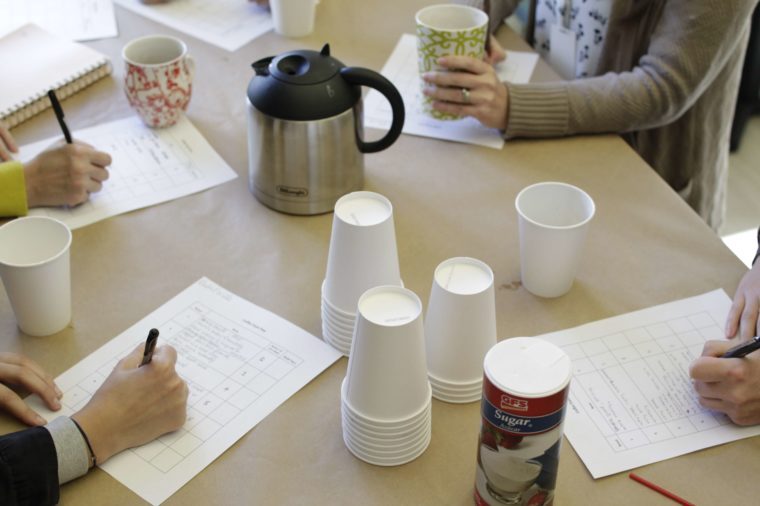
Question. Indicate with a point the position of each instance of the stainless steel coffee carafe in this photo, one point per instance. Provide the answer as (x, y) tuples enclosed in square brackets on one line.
[(305, 130)]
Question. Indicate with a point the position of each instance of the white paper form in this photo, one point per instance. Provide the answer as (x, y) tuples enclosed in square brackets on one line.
[(229, 24), (149, 166), (239, 360), (401, 69), (631, 400), (72, 19)]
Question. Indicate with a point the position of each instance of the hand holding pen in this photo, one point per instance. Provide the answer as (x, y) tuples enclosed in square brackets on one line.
[(727, 378), (64, 174), (135, 404)]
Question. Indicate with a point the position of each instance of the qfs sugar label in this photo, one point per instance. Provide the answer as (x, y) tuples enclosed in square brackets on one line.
[(525, 390)]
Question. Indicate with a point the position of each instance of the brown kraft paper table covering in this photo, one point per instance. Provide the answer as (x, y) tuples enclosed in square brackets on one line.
[(645, 247)]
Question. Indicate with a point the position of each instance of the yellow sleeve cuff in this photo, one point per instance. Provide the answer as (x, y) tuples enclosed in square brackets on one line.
[(12, 189)]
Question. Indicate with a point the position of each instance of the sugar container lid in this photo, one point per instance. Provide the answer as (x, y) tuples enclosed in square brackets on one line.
[(528, 367)]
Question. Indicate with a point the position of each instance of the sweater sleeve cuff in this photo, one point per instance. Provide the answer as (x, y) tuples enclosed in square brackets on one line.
[(537, 110), (71, 449), (12, 189)]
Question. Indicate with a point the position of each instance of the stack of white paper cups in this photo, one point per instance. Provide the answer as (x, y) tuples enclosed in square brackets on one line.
[(362, 255), (460, 328), (386, 396)]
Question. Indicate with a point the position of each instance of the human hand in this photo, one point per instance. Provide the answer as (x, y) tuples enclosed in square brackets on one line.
[(7, 144), (18, 370), (470, 87), (135, 404), (65, 174), (729, 385), (742, 318), (495, 52)]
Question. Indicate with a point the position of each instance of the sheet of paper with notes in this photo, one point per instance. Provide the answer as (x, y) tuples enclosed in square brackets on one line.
[(239, 360), (150, 166), (631, 399)]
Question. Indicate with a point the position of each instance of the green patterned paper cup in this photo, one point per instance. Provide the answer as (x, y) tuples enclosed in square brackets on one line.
[(444, 30)]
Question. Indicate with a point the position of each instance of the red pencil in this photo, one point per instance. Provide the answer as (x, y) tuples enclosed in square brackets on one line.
[(659, 489)]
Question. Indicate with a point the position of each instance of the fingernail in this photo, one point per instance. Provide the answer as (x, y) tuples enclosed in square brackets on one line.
[(58, 391), (56, 404), (39, 420)]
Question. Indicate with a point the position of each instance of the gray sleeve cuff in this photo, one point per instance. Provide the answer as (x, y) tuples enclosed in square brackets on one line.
[(538, 110), (70, 448)]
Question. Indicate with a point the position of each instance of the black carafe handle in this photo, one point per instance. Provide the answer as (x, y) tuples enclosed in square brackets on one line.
[(365, 77)]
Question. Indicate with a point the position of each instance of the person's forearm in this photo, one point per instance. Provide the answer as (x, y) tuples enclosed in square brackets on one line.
[(28, 468)]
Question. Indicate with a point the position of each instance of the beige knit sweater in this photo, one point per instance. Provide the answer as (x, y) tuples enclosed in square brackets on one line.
[(667, 80)]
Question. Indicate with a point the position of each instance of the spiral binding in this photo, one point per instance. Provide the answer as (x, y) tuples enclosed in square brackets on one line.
[(38, 102)]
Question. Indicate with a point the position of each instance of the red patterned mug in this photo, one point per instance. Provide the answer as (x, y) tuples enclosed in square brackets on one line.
[(158, 78)]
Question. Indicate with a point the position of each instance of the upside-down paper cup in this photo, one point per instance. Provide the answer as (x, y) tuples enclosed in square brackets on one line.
[(385, 442), (460, 328), (387, 373), (553, 221), (362, 251), (35, 269)]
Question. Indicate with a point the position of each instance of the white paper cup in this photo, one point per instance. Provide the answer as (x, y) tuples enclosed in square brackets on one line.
[(336, 340), (387, 373), (372, 458), (339, 330), (388, 437), (457, 394), (386, 450), (362, 249), (386, 427), (460, 325), (553, 222), (293, 18), (336, 336), (338, 315), (387, 443), (34, 267)]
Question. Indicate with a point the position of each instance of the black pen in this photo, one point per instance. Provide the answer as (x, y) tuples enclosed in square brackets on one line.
[(150, 345), (743, 349), (59, 114)]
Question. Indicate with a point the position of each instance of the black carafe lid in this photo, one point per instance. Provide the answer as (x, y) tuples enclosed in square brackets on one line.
[(301, 85)]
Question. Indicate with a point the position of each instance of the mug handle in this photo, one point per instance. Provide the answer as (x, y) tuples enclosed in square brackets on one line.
[(190, 64), (365, 77)]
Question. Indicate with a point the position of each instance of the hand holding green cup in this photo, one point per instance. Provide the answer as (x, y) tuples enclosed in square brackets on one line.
[(445, 30)]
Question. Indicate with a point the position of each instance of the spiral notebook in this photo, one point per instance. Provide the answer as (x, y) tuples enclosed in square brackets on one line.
[(35, 61)]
